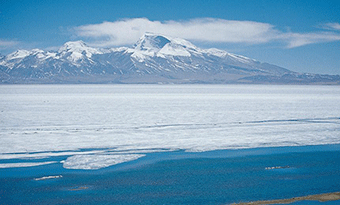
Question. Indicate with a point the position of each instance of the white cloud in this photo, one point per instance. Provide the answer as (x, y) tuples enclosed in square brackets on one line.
[(297, 39), (331, 26), (4, 44), (128, 31)]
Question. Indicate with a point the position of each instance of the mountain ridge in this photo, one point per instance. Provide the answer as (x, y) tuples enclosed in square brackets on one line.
[(153, 59)]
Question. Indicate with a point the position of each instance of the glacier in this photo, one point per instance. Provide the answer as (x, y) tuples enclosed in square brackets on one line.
[(95, 126)]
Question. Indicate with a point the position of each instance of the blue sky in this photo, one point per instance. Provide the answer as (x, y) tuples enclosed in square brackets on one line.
[(303, 36)]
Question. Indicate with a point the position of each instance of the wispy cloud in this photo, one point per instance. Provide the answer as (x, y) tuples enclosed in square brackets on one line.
[(301, 39), (5, 44), (128, 31), (331, 26)]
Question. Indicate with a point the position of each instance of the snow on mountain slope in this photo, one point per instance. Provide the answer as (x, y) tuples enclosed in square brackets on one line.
[(151, 45), (14, 58), (153, 59), (77, 50), (19, 54), (174, 50)]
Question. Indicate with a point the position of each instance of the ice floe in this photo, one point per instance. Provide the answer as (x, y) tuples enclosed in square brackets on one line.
[(48, 177), (277, 167), (25, 164), (97, 161)]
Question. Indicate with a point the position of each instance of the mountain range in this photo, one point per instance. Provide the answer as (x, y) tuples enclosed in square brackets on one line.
[(153, 59)]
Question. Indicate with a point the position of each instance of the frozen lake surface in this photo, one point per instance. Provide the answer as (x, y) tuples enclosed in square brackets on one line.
[(96, 126)]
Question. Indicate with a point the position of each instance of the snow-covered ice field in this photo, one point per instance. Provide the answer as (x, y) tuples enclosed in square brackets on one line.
[(96, 126)]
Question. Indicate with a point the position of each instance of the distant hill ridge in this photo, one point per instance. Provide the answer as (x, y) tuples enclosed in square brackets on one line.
[(153, 59)]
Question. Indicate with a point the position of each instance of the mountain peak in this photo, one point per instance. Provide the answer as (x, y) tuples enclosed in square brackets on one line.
[(76, 50), (152, 42), (159, 45), (18, 54), (73, 45)]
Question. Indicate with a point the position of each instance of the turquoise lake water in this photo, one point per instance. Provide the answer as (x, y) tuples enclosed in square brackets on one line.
[(216, 177)]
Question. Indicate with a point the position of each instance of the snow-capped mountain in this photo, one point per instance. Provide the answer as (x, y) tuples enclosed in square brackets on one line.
[(153, 59), (76, 51)]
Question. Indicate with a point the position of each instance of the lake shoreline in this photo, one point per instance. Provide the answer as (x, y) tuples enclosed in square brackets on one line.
[(318, 197)]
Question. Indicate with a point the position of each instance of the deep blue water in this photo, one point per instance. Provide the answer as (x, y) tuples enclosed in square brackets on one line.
[(216, 177)]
